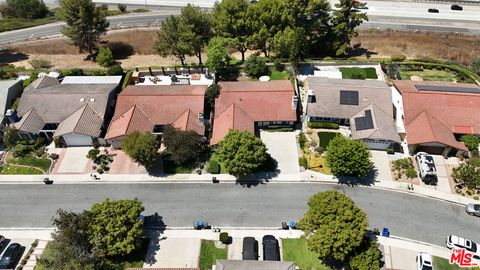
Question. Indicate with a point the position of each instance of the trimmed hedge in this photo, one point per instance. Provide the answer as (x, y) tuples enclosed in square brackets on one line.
[(303, 162), (223, 237), (390, 151), (323, 125), (213, 167)]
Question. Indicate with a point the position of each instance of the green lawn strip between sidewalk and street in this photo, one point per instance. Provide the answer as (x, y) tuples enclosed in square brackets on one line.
[(296, 250), (209, 254), (444, 264)]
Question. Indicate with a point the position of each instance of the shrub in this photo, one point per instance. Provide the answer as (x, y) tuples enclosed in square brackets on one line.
[(22, 150), (97, 72), (73, 72), (105, 57), (57, 142), (93, 153), (53, 156), (303, 162), (28, 81), (320, 150), (323, 125), (115, 70), (471, 141), (122, 7), (279, 65), (23, 262), (100, 171), (213, 167), (27, 9), (256, 66), (474, 153), (411, 173), (40, 141), (458, 191), (328, 58), (35, 243), (469, 192), (126, 79), (40, 63), (40, 151), (475, 197), (390, 151), (302, 139), (223, 237), (312, 143), (398, 57)]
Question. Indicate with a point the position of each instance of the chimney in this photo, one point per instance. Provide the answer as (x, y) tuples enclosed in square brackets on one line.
[(294, 102), (201, 118), (12, 116)]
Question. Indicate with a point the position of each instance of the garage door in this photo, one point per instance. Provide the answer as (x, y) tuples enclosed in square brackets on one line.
[(434, 150), (77, 140)]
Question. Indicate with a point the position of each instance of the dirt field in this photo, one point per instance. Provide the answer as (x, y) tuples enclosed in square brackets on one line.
[(134, 48)]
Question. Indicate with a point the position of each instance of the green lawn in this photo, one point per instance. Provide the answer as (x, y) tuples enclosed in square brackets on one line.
[(429, 75), (7, 24), (355, 72), (12, 169), (325, 138), (279, 75), (32, 160), (444, 264), (209, 254), (296, 250)]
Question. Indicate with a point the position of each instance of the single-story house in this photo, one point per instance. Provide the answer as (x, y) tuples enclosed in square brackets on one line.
[(250, 264), (253, 105), (436, 114), (363, 105), (77, 110), (10, 90), (150, 107)]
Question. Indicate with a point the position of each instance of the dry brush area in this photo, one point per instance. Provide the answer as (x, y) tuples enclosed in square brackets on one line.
[(135, 47)]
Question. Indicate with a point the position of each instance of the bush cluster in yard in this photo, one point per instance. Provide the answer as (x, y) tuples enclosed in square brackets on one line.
[(323, 125), (213, 167), (40, 63), (398, 57), (403, 166)]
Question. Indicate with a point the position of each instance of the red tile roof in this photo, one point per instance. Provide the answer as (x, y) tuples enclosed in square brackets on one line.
[(241, 104), (178, 105), (433, 116)]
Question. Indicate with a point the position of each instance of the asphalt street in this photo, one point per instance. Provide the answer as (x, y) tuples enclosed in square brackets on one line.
[(231, 205)]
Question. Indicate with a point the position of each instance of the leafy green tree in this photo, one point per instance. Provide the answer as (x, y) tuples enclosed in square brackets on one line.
[(141, 147), (230, 20), (70, 248), (218, 57), (211, 94), (256, 66), (105, 57), (242, 153), (86, 24), (27, 9), (471, 141), (475, 65), (367, 256), (347, 157), (291, 44), (184, 146), (345, 19), (334, 226), (195, 29), (468, 173), (10, 137), (168, 40), (116, 228)]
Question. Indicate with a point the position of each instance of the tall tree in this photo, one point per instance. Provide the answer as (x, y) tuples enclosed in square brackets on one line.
[(195, 29), (367, 256), (242, 153), (345, 19), (27, 9), (218, 58), (85, 23), (468, 173), (347, 157), (230, 20), (141, 147), (291, 44), (168, 40), (116, 228), (334, 226), (184, 146), (70, 248)]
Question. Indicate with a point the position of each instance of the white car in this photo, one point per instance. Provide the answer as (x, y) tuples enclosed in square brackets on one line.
[(454, 241), (424, 261), (426, 168)]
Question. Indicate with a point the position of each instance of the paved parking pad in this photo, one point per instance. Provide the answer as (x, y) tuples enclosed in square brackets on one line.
[(173, 253), (282, 146)]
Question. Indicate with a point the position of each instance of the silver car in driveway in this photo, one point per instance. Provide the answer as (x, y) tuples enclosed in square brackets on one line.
[(473, 209)]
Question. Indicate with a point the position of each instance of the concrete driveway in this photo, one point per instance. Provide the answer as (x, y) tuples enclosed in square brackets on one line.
[(381, 163), (443, 183), (173, 253), (75, 160), (282, 146)]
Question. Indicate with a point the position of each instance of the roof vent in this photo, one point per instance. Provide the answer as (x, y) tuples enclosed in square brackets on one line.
[(82, 99), (92, 100)]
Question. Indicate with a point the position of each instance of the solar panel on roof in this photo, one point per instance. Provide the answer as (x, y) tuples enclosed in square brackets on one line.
[(364, 122), (348, 97), (455, 89)]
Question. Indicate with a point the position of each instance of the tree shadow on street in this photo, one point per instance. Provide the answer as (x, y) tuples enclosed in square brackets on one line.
[(155, 227)]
